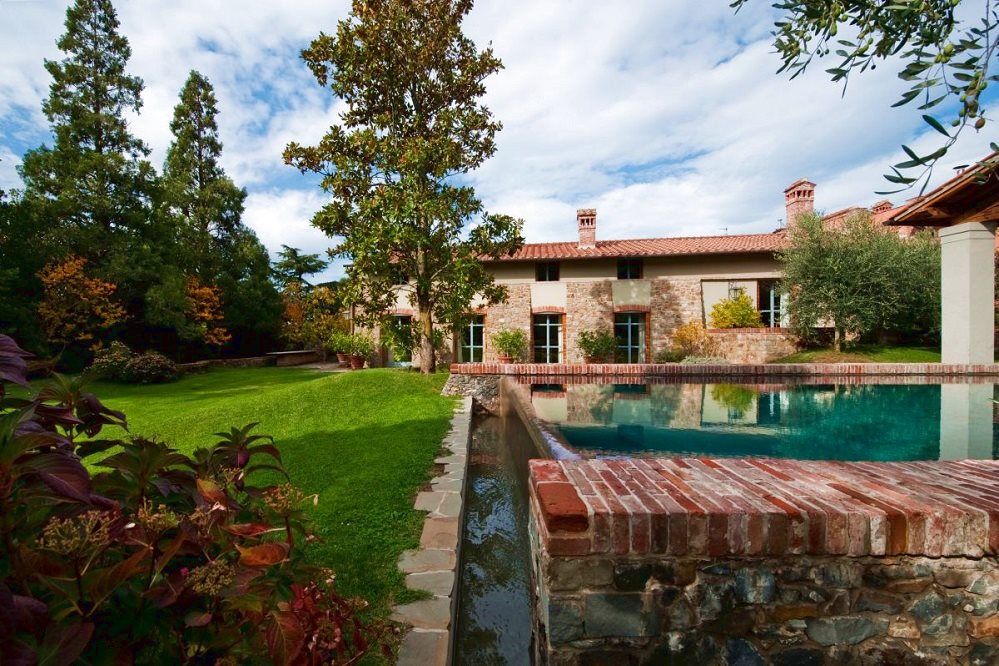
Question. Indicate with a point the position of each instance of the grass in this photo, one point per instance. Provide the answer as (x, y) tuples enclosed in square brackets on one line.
[(364, 442), (865, 354)]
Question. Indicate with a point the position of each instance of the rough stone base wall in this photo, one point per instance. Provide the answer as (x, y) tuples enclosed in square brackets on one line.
[(760, 561), (801, 611), (589, 307), (483, 389), (754, 345)]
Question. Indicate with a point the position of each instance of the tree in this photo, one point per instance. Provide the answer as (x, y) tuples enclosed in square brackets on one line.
[(946, 59), (294, 266), (76, 307), (413, 125), (736, 312), (94, 180), (204, 202), (860, 279)]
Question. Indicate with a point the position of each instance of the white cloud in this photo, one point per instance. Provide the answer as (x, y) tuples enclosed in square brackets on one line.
[(667, 116)]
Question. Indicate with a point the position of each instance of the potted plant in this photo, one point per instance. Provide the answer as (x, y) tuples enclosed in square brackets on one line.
[(510, 344), (361, 347), (597, 346), (339, 343)]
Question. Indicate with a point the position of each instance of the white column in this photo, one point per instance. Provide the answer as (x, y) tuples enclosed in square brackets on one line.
[(967, 256), (965, 421)]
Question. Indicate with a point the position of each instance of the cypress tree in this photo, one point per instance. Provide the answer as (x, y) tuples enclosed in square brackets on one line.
[(94, 181)]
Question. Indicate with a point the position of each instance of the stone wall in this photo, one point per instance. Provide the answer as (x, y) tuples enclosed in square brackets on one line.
[(483, 389), (754, 345), (673, 301), (515, 313), (589, 307), (745, 561)]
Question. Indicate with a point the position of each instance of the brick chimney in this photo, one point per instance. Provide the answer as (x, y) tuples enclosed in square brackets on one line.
[(882, 206), (799, 198), (586, 218)]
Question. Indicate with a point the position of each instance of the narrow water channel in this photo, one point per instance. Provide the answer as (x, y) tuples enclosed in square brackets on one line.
[(495, 622)]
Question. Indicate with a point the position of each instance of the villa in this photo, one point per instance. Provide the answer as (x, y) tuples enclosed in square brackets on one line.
[(642, 289)]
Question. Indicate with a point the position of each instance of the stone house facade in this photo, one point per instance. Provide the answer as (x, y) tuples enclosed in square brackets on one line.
[(640, 290)]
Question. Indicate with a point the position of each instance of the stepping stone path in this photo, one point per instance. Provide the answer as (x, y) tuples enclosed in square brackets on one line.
[(433, 566)]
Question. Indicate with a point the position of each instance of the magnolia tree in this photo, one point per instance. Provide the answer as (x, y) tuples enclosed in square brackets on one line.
[(413, 125)]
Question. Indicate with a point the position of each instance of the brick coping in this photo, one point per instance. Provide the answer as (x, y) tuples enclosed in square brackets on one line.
[(718, 507), (735, 369)]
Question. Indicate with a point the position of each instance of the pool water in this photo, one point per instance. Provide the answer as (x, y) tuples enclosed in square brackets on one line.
[(495, 623), (881, 422)]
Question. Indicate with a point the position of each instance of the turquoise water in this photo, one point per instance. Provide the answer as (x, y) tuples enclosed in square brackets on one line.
[(830, 422)]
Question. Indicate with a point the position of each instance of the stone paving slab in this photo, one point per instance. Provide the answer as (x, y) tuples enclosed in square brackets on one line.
[(424, 648), (425, 614), (433, 567), (437, 583), (427, 559), (428, 501), (439, 532)]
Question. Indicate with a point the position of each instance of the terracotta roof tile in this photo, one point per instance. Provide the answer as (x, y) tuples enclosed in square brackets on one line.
[(653, 247)]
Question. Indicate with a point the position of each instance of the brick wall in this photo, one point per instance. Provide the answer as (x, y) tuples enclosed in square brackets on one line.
[(778, 561), (589, 307), (754, 345)]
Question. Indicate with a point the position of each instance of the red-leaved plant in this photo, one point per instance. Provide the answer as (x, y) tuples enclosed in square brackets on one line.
[(159, 558)]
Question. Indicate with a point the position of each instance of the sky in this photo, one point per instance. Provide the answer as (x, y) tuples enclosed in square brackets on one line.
[(667, 116)]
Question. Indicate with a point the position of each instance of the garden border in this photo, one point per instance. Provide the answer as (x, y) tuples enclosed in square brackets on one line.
[(433, 567)]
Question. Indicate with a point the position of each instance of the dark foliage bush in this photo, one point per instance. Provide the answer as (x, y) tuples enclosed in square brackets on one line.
[(159, 558), (150, 368), (110, 362)]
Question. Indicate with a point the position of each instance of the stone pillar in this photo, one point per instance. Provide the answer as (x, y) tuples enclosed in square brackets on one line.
[(967, 255), (965, 421)]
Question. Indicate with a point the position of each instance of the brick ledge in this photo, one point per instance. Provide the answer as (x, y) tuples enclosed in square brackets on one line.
[(761, 507), (679, 369)]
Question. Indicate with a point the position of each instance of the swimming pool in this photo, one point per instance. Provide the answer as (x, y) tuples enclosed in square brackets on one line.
[(882, 422)]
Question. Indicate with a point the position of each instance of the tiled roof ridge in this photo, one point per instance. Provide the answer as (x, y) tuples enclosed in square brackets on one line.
[(660, 238)]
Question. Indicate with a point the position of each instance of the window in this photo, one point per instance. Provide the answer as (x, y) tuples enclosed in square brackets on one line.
[(472, 347), (399, 277), (547, 271), (629, 329), (770, 303), (548, 338), (629, 269)]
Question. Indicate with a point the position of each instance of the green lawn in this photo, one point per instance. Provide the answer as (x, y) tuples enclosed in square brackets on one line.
[(865, 354), (364, 441)]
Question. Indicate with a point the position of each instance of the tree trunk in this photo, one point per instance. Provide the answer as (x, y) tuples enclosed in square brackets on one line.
[(838, 339), (428, 361)]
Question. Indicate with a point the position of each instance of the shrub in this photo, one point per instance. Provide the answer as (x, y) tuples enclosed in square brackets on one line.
[(738, 312), (110, 362), (597, 345), (510, 342), (150, 368), (668, 356), (705, 360), (691, 339), (338, 342), (360, 345), (161, 557)]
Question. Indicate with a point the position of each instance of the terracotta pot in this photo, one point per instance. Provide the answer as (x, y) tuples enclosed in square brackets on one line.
[(505, 359), (343, 359), (356, 362)]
